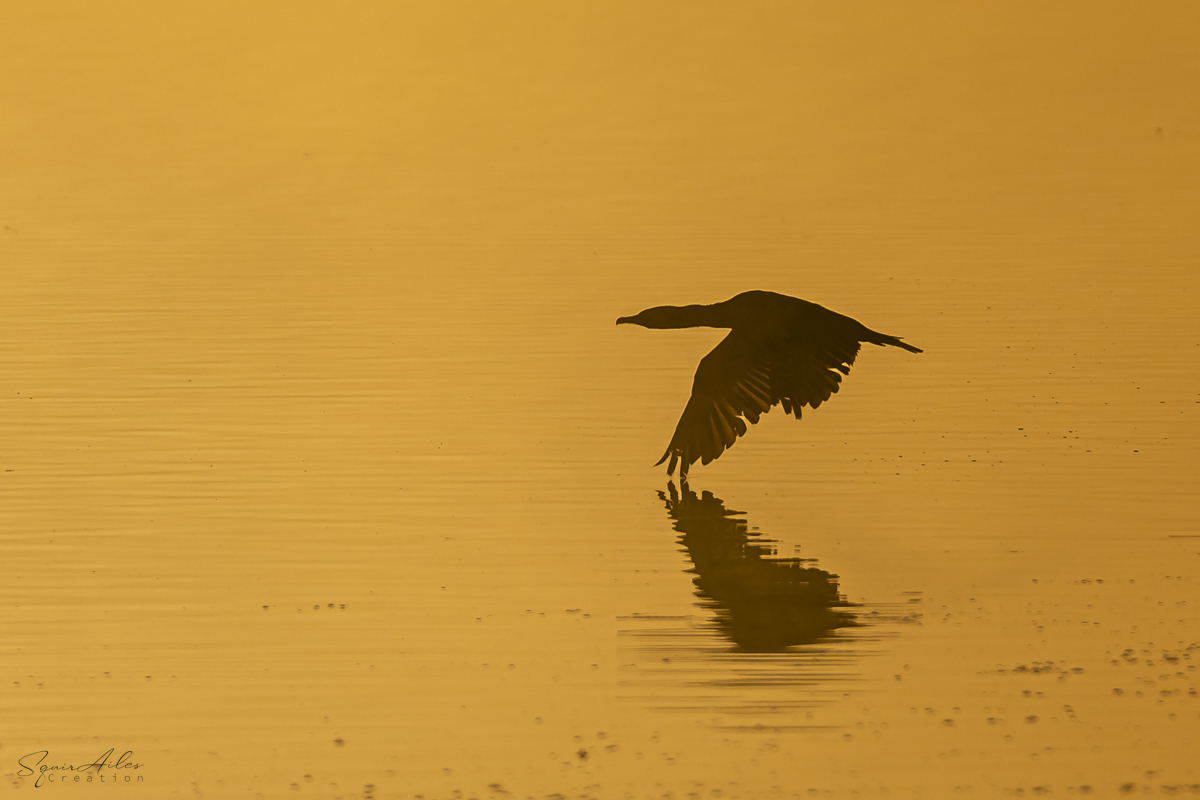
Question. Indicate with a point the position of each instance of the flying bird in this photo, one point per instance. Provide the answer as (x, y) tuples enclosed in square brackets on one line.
[(781, 350)]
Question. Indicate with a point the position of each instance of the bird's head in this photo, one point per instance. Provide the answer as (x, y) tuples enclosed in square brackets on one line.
[(667, 317)]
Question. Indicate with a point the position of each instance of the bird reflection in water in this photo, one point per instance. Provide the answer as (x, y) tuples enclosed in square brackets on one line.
[(763, 604)]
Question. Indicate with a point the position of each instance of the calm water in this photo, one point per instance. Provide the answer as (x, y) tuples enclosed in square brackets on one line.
[(327, 473)]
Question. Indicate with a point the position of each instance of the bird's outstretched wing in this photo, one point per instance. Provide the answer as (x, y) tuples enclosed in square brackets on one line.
[(732, 382), (742, 378), (809, 374)]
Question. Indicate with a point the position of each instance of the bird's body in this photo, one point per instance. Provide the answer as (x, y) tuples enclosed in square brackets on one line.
[(780, 350)]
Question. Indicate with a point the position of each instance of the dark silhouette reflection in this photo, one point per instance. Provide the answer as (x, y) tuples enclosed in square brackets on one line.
[(763, 603), (780, 350)]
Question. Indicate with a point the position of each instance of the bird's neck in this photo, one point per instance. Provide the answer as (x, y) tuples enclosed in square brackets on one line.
[(683, 317)]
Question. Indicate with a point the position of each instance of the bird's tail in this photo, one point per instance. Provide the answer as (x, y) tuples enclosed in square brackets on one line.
[(894, 341)]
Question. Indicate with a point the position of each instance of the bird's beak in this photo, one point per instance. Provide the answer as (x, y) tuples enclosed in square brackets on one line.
[(625, 320)]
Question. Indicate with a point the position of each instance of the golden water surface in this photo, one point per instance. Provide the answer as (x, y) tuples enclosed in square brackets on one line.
[(326, 473)]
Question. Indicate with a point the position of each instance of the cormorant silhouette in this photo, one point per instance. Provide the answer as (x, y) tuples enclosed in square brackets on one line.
[(780, 350)]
